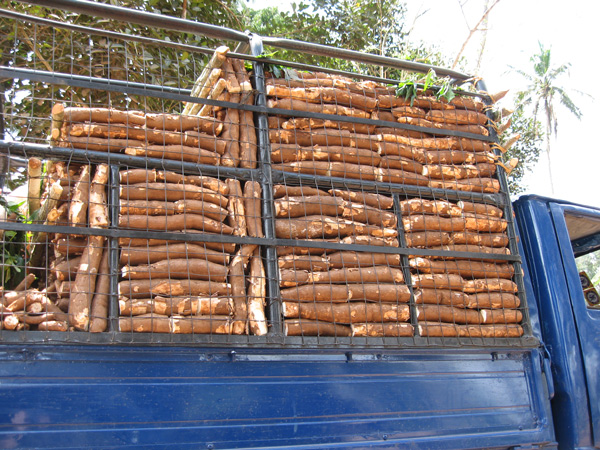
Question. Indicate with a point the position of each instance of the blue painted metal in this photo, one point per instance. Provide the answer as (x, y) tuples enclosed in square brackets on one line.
[(83, 397), (550, 270), (587, 320)]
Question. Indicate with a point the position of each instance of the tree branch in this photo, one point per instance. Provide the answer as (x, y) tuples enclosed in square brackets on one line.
[(472, 32)]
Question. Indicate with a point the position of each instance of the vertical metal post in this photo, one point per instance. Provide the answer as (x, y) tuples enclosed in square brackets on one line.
[(266, 181), (405, 263), (113, 246), (3, 158)]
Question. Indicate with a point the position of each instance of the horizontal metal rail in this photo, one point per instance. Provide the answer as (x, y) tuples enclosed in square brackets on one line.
[(367, 58), (213, 31), (142, 18), (103, 33)]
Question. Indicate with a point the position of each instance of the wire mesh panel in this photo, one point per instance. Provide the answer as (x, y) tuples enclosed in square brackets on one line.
[(454, 287), (236, 206)]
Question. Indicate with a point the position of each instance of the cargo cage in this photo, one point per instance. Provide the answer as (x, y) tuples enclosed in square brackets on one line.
[(245, 246)]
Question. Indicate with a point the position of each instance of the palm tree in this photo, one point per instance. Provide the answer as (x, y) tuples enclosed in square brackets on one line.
[(543, 92)]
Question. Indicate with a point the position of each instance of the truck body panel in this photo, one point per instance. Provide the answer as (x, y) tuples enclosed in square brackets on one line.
[(153, 397)]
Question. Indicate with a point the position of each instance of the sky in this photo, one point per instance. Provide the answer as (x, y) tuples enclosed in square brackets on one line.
[(515, 29)]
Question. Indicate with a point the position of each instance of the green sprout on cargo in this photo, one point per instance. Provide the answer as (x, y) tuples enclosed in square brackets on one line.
[(13, 249), (443, 88), (277, 70)]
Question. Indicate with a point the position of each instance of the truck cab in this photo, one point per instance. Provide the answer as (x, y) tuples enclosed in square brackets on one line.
[(556, 238)]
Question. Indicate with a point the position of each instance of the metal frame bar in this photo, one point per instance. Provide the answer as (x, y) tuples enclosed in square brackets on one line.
[(142, 18)]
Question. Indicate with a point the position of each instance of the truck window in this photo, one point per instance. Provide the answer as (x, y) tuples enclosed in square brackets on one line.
[(585, 239)]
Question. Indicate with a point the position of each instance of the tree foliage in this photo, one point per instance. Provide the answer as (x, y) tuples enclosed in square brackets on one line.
[(542, 94), (54, 49)]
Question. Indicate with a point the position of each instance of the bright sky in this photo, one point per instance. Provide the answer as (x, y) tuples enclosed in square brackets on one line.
[(514, 29)]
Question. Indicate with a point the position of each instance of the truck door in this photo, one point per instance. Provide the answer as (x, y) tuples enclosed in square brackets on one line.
[(578, 232)]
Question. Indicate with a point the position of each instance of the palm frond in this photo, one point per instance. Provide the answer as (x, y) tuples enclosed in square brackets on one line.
[(566, 101)]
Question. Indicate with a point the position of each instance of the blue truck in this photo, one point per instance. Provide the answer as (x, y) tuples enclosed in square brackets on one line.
[(125, 390)]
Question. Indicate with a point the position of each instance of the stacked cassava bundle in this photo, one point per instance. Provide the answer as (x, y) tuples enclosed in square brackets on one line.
[(203, 134), (340, 293), (457, 295), (428, 154), (337, 148), (76, 289), (189, 286)]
